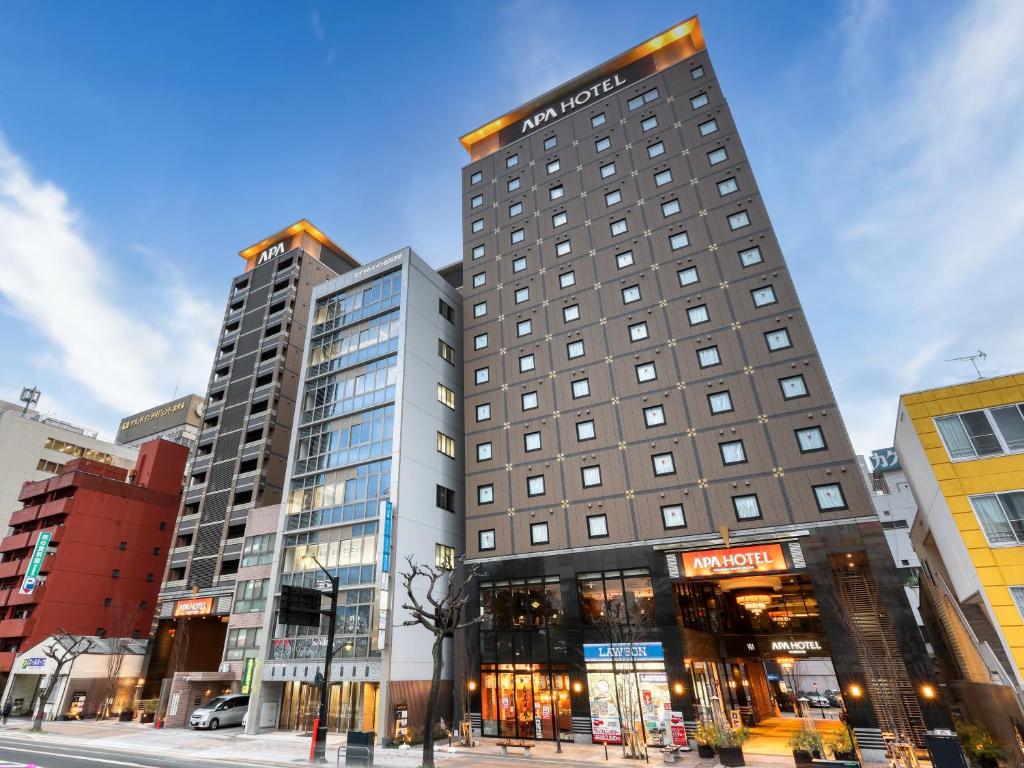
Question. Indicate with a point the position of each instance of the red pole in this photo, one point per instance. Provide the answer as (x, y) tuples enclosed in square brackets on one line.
[(312, 744)]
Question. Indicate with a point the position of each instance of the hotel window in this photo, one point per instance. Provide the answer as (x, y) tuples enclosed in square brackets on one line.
[(591, 476), (727, 187), (517, 236), (512, 161), (483, 412), (521, 295), (574, 349), (597, 120), (486, 539), (708, 356), (763, 296), (524, 328), (480, 341), (670, 208), (746, 507), (708, 127), (631, 294), (478, 226), (750, 256), (445, 445), (585, 431), (638, 331), (654, 416), (478, 252), (515, 209), (739, 221), (550, 142), (567, 279), (664, 464), (446, 396), (531, 442), (539, 533), (688, 276), (619, 227), (518, 265), (720, 402), (535, 485), (717, 156), (476, 201), (986, 432), (484, 452), (810, 439), (597, 526), (476, 177), (678, 241), (445, 499), (777, 340), (447, 351), (603, 143), (697, 72), (698, 315), (526, 363), (607, 170), (563, 248), (645, 372), (444, 557), (649, 123), (733, 452), (485, 494), (624, 259), (556, 192), (1001, 516), (529, 401), (612, 198), (553, 167), (479, 279), (480, 309), (672, 516), (482, 375), (559, 220), (793, 387), (829, 497), (656, 149), (512, 184), (644, 98), (662, 178), (698, 101), (446, 310), (571, 313), (580, 388)]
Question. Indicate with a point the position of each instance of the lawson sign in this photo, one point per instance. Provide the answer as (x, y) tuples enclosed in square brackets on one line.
[(623, 652)]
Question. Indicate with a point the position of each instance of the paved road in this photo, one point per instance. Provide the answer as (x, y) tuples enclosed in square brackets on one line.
[(18, 752)]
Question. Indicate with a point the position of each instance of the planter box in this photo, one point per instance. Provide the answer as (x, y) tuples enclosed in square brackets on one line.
[(705, 751), (804, 759), (731, 757)]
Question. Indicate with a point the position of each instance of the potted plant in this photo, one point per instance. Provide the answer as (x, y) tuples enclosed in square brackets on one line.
[(705, 736), (729, 744), (839, 745), (980, 748), (806, 746)]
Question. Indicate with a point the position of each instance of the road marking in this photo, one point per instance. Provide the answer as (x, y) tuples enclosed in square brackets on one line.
[(77, 757)]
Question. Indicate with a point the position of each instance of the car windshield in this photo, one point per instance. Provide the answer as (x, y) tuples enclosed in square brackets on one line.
[(212, 703)]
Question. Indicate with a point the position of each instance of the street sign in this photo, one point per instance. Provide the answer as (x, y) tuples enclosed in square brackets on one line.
[(28, 585)]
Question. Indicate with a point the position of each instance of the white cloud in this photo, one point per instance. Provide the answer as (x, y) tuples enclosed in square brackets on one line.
[(57, 283)]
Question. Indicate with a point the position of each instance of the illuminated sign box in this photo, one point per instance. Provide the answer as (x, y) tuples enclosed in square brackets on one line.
[(196, 606), (762, 558), (623, 652)]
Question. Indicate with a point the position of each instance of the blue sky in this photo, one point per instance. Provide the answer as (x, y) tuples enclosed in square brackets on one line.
[(143, 145)]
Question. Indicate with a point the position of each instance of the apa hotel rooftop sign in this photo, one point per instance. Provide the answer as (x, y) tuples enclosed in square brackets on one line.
[(761, 558)]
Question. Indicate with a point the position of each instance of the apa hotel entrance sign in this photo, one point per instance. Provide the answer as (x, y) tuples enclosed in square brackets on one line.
[(761, 558), (193, 606)]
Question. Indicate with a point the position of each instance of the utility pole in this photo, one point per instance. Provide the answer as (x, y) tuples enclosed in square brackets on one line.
[(319, 751)]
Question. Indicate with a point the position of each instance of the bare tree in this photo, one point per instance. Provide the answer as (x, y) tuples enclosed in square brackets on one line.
[(63, 650), (119, 645), (439, 610)]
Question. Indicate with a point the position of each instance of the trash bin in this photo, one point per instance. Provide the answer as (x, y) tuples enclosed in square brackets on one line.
[(359, 748)]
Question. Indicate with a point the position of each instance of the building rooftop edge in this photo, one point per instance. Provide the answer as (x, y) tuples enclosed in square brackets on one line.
[(302, 225), (985, 380)]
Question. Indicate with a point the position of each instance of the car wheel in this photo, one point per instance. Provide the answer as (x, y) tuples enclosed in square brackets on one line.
[(214, 724)]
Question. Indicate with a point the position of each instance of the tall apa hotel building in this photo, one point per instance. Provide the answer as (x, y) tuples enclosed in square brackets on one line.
[(662, 495)]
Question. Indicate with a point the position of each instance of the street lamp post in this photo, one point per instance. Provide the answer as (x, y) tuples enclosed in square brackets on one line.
[(319, 754)]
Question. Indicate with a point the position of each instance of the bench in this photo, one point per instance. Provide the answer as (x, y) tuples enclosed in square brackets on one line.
[(821, 763), (526, 746)]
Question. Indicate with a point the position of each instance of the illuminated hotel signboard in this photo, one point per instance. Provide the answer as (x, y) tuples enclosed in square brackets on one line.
[(194, 606), (761, 558)]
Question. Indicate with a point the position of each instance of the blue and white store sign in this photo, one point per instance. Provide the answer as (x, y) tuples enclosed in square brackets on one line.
[(623, 652)]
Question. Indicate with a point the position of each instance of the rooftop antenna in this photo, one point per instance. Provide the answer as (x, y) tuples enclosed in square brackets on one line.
[(29, 396), (979, 355)]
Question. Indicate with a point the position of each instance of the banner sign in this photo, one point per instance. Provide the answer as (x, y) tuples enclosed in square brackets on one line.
[(247, 670), (28, 584), (385, 561), (193, 606), (884, 460), (762, 558), (623, 652), (678, 729)]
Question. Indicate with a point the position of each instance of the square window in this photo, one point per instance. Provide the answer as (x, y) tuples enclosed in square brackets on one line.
[(518, 265), (556, 192), (679, 240), (793, 387), (529, 400), (518, 235), (777, 340), (478, 251), (559, 219), (664, 464), (480, 309), (524, 328), (567, 279), (688, 276), (708, 127), (550, 142), (486, 539), (571, 313), (829, 497), (624, 259), (478, 226), (619, 227), (708, 356), (720, 402), (697, 72), (733, 452), (512, 161), (607, 170), (649, 123), (603, 144), (638, 331), (662, 178), (750, 256), (512, 184), (597, 120), (526, 363), (485, 494), (574, 349), (580, 388), (535, 485), (644, 98), (727, 187), (482, 375), (484, 452), (645, 372), (654, 416), (515, 209), (479, 279), (483, 412), (539, 533), (585, 431), (810, 439), (739, 221), (652, 151), (597, 526), (698, 101), (672, 516), (563, 248), (746, 507), (522, 294), (531, 442), (717, 156), (763, 296), (698, 315), (476, 201), (671, 208), (476, 177), (631, 294), (553, 167), (612, 198), (591, 476), (480, 341)]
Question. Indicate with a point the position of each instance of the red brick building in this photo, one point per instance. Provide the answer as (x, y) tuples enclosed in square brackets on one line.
[(110, 531)]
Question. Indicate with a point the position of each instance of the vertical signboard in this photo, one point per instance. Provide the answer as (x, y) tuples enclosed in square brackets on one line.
[(250, 666), (385, 578), (385, 561), (35, 563)]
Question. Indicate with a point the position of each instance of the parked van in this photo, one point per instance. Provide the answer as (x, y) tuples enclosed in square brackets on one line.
[(220, 711)]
